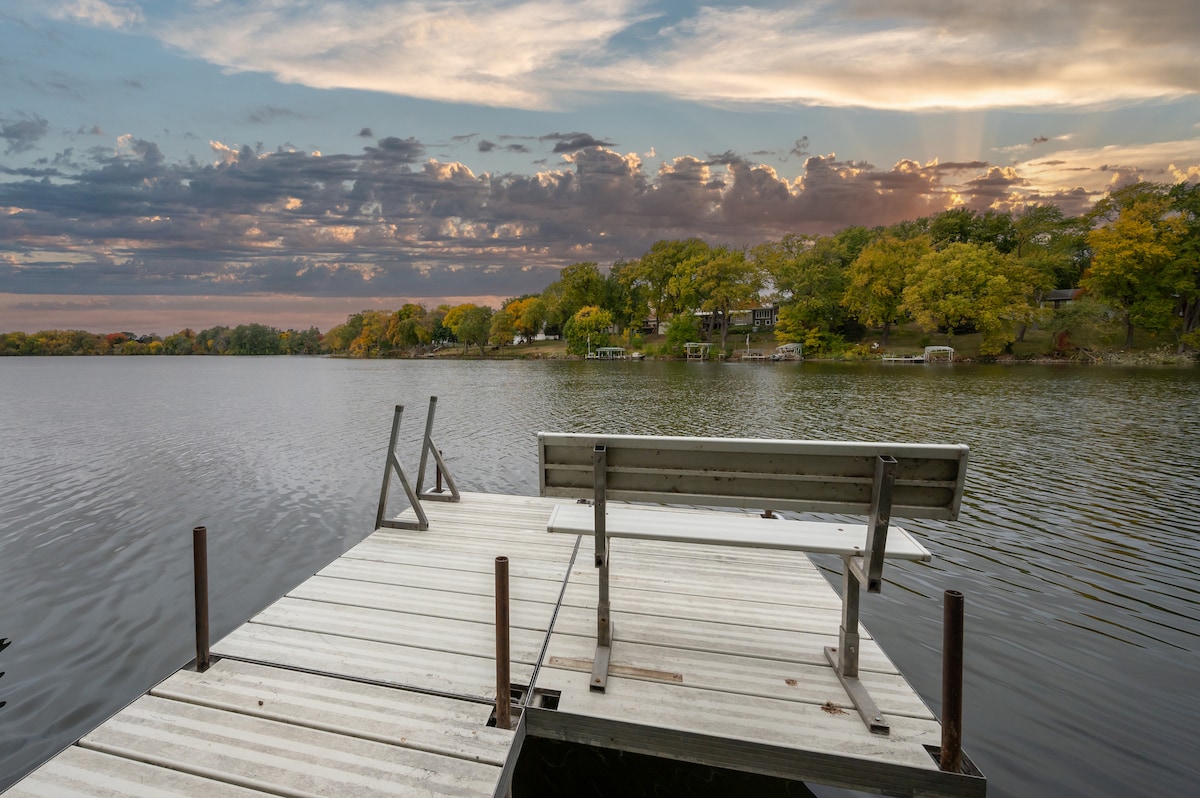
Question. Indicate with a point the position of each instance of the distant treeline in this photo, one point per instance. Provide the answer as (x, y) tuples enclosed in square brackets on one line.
[(245, 339)]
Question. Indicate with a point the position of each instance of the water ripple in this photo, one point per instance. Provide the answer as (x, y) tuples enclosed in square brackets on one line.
[(1075, 546)]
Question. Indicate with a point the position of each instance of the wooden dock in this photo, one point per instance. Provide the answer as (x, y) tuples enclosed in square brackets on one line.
[(376, 677)]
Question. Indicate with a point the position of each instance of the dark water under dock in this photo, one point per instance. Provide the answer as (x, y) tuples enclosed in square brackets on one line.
[(1076, 549)]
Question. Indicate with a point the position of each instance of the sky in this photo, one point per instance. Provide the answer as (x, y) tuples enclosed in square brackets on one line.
[(187, 163)]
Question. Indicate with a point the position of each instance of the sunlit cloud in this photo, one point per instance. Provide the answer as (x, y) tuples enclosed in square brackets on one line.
[(1098, 169), (473, 51), (907, 55)]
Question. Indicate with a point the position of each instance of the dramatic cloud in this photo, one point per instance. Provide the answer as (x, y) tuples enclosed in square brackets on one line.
[(22, 134), (387, 222), (912, 54)]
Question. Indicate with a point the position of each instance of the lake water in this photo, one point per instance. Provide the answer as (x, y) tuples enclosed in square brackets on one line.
[(1078, 547)]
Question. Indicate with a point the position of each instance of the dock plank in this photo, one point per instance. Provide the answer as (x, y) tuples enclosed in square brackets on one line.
[(397, 717), (451, 673), (271, 755), (81, 773)]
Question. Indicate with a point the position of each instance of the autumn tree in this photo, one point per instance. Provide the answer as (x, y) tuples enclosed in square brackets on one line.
[(471, 324), (971, 285), (407, 328), (528, 315), (587, 329), (875, 279), (502, 330), (1135, 269)]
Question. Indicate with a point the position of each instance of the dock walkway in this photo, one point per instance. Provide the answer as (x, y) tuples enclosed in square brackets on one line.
[(376, 676)]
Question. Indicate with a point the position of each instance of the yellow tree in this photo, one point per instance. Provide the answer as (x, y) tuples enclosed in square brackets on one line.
[(587, 328), (1135, 265), (875, 279), (971, 284), (470, 323)]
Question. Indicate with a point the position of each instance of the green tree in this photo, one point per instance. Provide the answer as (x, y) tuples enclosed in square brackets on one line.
[(213, 341), (503, 330), (809, 273), (1083, 324), (681, 330), (181, 343), (625, 296), (661, 272), (1186, 199), (1135, 265), (727, 281), (577, 286), (875, 279), (406, 327), (254, 339), (971, 285), (471, 324), (302, 342), (587, 329)]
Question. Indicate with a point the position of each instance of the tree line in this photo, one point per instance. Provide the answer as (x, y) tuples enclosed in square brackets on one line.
[(1135, 255), (245, 339)]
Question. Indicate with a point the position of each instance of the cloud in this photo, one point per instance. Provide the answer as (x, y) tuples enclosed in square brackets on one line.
[(550, 54), (397, 150), (269, 113), (23, 134), (366, 133), (389, 222), (920, 55), (489, 52), (570, 142), (99, 13)]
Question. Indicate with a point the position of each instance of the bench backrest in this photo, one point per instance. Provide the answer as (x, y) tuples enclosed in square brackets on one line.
[(748, 473)]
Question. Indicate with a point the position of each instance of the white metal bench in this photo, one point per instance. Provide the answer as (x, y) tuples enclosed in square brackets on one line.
[(875, 480)]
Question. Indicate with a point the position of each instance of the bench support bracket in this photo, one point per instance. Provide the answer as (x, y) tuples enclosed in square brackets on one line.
[(393, 464), (427, 448), (877, 522), (861, 699)]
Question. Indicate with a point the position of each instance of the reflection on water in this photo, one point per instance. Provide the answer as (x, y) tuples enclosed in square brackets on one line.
[(1075, 548)]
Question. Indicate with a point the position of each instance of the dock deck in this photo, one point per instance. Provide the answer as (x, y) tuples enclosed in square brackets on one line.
[(376, 676)]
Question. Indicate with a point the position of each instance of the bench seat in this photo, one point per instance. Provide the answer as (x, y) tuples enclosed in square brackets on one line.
[(732, 529)]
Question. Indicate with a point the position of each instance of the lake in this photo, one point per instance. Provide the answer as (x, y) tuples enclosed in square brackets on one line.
[(1078, 546)]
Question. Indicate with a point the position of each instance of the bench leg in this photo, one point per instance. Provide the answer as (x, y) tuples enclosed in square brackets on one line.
[(603, 617), (845, 658)]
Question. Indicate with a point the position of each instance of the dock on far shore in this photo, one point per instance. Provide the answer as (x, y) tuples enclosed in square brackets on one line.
[(377, 675)]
